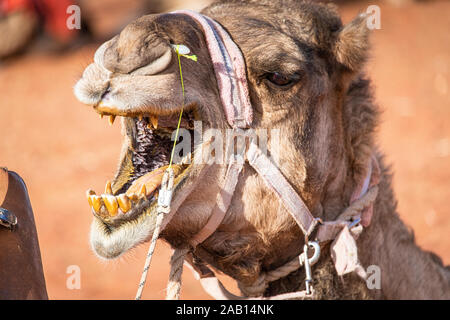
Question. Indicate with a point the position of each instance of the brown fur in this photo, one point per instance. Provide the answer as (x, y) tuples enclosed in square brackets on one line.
[(327, 122)]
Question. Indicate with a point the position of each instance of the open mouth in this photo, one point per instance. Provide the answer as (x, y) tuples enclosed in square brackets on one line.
[(135, 188)]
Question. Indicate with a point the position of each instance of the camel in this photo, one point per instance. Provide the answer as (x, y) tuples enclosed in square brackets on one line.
[(305, 75)]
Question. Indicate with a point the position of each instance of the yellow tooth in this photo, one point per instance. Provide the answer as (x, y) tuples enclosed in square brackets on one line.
[(89, 193), (124, 203), (111, 120), (141, 117), (154, 121), (100, 115), (108, 189), (133, 196), (95, 202), (143, 192), (111, 204)]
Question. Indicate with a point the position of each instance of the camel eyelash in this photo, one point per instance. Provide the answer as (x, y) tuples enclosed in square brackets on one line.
[(281, 80)]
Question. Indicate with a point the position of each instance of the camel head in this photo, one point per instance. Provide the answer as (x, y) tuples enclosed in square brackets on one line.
[(303, 73)]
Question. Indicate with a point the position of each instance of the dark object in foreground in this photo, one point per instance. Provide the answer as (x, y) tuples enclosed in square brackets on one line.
[(21, 272)]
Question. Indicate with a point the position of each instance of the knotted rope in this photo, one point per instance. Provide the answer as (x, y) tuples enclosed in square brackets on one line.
[(357, 206), (151, 249), (176, 270), (260, 285)]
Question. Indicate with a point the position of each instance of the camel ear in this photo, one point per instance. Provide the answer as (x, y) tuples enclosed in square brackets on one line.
[(352, 43)]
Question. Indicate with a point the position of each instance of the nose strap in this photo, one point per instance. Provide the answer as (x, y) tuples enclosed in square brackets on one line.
[(229, 69), (282, 188)]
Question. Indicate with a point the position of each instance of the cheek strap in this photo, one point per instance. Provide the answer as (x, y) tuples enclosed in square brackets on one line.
[(229, 69)]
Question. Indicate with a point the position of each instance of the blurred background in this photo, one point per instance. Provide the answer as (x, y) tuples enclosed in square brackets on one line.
[(61, 148)]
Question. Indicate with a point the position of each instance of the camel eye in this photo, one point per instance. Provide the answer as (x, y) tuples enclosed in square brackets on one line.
[(279, 79)]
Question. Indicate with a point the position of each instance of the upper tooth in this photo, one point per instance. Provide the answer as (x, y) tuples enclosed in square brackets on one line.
[(108, 189), (141, 117), (154, 121), (124, 203), (110, 203), (111, 119)]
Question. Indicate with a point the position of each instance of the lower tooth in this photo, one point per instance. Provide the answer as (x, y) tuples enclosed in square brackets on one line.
[(148, 183), (124, 203), (110, 204), (95, 202)]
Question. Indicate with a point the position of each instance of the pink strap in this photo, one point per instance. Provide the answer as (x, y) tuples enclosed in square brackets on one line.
[(278, 183), (375, 176), (229, 68), (217, 290), (222, 203)]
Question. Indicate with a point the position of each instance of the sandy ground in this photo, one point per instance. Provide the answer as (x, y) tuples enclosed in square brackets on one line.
[(61, 148)]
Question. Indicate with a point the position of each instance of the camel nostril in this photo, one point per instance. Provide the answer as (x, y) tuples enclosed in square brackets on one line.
[(106, 94)]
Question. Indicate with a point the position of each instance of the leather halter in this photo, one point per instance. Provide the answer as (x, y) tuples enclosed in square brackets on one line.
[(229, 67), (230, 74)]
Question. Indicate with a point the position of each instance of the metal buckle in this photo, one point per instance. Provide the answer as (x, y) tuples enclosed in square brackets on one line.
[(354, 223), (7, 218), (308, 262)]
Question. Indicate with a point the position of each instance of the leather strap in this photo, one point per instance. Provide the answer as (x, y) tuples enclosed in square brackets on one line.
[(327, 231), (229, 68), (214, 287), (278, 183), (3, 184), (222, 203)]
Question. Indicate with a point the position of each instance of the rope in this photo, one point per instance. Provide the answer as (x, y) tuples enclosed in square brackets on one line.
[(260, 285), (358, 205), (174, 285), (151, 249), (176, 270)]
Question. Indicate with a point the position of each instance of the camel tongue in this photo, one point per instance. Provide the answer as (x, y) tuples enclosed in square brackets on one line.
[(145, 185)]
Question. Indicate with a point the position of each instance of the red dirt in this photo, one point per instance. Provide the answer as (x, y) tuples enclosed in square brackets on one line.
[(61, 148)]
